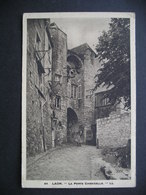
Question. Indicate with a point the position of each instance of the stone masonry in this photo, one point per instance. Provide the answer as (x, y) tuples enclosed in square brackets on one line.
[(113, 131), (59, 82), (90, 66), (39, 64)]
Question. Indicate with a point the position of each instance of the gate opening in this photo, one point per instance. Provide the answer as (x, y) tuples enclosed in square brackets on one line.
[(72, 125)]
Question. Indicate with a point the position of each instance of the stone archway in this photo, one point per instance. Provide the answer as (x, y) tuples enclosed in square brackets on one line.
[(72, 125)]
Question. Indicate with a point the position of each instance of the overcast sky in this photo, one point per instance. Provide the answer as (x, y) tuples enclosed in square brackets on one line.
[(82, 30)]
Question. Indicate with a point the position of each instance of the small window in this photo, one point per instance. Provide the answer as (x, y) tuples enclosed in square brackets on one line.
[(69, 90), (100, 100), (58, 102), (79, 103), (58, 78), (79, 92), (73, 91)]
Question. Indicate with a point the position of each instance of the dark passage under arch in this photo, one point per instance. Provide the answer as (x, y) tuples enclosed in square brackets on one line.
[(72, 124)]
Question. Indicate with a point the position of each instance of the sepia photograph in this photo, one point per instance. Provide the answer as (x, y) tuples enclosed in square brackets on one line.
[(78, 100)]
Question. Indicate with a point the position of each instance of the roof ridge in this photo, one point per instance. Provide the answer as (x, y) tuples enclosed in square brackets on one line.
[(81, 46)]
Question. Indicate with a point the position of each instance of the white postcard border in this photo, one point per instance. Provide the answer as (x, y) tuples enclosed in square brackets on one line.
[(84, 183)]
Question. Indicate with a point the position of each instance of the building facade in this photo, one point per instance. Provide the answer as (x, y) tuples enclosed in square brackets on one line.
[(39, 66), (62, 106)]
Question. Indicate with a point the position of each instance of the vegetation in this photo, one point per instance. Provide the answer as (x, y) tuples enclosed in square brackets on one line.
[(113, 51)]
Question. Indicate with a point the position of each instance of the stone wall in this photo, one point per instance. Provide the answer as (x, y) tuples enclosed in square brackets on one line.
[(90, 69), (59, 58), (89, 73), (113, 131), (47, 125), (77, 103), (38, 112)]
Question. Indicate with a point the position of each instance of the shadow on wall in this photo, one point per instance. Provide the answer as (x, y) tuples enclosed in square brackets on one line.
[(74, 130)]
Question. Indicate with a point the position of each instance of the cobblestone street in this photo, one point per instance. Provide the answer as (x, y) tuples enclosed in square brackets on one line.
[(67, 163)]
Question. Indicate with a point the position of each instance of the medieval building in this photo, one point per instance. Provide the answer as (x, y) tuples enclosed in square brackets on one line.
[(61, 104), (39, 74)]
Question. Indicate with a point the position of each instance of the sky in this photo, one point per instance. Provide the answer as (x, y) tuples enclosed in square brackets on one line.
[(82, 30)]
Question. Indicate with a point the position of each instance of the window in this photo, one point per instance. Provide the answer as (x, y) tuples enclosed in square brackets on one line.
[(102, 106), (58, 102), (57, 78), (79, 92), (79, 103), (100, 100), (69, 90), (73, 91)]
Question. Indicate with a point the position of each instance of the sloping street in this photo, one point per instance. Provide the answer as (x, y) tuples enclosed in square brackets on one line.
[(67, 163)]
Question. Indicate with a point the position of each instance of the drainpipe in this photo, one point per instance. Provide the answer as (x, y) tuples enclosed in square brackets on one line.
[(44, 144), (53, 133)]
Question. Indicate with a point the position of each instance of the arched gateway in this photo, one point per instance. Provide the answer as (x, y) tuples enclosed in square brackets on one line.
[(72, 125)]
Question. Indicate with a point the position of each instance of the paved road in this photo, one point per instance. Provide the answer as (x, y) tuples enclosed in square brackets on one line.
[(70, 163)]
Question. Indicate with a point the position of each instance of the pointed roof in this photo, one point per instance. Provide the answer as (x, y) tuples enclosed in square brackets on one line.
[(82, 48)]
